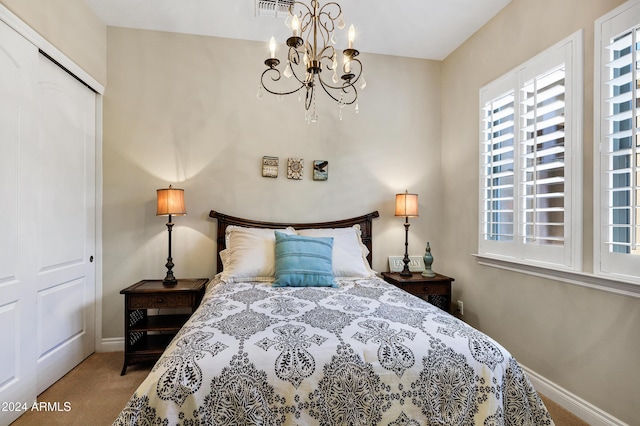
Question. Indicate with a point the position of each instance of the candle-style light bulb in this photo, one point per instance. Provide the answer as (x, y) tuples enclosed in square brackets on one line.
[(295, 25), (272, 47), (352, 36)]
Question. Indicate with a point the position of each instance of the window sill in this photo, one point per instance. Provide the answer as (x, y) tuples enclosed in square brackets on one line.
[(584, 279)]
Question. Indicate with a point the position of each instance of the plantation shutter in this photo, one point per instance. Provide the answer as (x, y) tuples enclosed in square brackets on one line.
[(543, 158), (530, 204), (498, 165), (619, 165)]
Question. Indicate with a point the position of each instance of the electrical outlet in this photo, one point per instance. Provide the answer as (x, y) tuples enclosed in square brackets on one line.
[(460, 307)]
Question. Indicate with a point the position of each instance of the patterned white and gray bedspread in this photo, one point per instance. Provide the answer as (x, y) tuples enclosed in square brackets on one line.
[(365, 353)]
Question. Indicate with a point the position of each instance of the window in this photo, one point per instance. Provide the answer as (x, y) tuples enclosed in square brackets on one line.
[(530, 160), (617, 137)]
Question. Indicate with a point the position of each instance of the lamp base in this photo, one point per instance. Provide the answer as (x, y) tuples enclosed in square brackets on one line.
[(169, 279), (406, 272), (169, 282)]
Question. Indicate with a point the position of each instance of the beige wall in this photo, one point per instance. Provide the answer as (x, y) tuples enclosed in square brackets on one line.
[(72, 27), (183, 110), (584, 340)]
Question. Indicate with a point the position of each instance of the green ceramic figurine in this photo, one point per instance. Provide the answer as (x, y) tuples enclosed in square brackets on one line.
[(428, 260)]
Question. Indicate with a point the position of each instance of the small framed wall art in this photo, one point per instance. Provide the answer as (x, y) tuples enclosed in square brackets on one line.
[(320, 170), (295, 166), (270, 167)]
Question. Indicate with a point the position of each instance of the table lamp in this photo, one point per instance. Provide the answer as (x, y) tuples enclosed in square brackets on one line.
[(170, 203), (407, 206)]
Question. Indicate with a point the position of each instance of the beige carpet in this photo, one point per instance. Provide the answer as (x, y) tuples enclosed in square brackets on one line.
[(95, 389), (97, 392), (560, 416)]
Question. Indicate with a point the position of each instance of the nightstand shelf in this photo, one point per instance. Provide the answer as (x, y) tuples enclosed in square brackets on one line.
[(436, 290), (151, 345), (147, 336), (160, 323)]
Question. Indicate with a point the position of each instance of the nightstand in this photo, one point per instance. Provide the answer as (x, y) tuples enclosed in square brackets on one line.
[(146, 336), (437, 289)]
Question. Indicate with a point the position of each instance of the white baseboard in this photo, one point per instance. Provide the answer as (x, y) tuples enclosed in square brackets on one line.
[(573, 403), (114, 344)]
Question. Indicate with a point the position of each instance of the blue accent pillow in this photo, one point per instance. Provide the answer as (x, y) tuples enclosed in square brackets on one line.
[(303, 261)]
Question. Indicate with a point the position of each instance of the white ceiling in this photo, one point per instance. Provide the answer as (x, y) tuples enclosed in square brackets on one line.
[(429, 29)]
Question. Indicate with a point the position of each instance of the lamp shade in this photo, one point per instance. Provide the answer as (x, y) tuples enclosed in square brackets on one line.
[(407, 204), (171, 202)]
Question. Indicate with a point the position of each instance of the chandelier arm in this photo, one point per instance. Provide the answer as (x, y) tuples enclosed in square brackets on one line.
[(293, 3), (329, 23), (307, 49), (274, 78), (323, 31), (294, 56), (303, 82), (322, 55), (327, 13), (305, 17), (278, 76), (294, 59), (344, 89), (346, 83)]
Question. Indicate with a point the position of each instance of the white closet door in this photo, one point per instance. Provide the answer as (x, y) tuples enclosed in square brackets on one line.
[(18, 60), (47, 223), (64, 187)]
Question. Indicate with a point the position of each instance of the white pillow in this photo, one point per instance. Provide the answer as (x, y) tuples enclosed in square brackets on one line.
[(349, 253), (250, 254)]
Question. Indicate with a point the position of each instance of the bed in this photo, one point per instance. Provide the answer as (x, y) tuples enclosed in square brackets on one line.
[(349, 349)]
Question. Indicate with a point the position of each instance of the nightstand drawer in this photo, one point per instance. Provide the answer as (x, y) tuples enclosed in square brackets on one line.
[(420, 288), (436, 288), (157, 301)]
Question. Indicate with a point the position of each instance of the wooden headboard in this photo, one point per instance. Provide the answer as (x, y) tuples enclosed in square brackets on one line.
[(226, 220)]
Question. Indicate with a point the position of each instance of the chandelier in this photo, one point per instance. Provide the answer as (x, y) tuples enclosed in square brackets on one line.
[(311, 51)]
